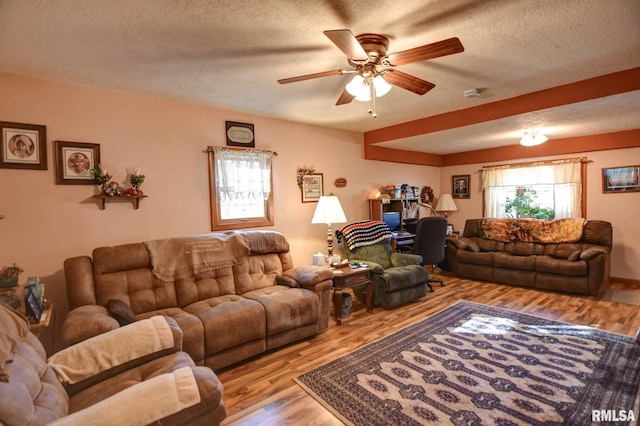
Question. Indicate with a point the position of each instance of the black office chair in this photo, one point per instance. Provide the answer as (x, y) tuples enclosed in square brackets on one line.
[(429, 242)]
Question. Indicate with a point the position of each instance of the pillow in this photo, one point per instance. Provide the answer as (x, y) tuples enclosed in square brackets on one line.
[(121, 312), (287, 281), (473, 246), (574, 256)]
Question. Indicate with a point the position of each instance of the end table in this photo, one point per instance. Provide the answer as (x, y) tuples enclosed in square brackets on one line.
[(345, 278)]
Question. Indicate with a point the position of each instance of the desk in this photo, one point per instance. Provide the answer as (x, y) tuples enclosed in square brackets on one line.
[(402, 239), (345, 278)]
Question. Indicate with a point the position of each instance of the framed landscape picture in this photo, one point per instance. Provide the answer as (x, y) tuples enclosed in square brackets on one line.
[(620, 179), (24, 146), (74, 161)]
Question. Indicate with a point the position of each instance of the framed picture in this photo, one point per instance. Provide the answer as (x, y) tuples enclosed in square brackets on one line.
[(33, 306), (460, 186), (240, 134), (620, 179), (312, 187), (24, 146), (74, 161)]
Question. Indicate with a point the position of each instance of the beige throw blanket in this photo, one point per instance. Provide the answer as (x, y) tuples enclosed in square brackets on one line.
[(117, 347), (176, 258)]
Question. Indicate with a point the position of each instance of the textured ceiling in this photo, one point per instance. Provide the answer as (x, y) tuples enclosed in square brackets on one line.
[(230, 54)]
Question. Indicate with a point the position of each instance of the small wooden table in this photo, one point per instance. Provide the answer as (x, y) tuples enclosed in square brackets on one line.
[(45, 321), (345, 278)]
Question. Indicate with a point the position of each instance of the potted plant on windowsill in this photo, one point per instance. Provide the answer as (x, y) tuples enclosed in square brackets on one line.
[(523, 205), (9, 275)]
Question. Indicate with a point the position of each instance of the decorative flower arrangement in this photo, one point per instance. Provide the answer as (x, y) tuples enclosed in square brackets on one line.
[(302, 171), (9, 274), (101, 175), (136, 180)]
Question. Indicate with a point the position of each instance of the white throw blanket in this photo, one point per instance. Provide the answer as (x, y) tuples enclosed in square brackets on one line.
[(176, 258)]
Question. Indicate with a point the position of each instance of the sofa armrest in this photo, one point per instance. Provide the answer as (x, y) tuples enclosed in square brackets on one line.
[(110, 353), (405, 259), (592, 252), (309, 275), (142, 404), (85, 322)]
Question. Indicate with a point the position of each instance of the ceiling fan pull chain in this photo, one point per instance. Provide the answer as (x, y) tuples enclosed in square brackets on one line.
[(372, 110)]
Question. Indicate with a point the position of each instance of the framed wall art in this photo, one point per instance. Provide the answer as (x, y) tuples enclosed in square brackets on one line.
[(24, 146), (620, 179), (460, 186), (240, 134), (312, 187), (74, 161)]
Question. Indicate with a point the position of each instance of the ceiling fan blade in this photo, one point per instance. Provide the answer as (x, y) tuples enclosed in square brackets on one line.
[(347, 42), (429, 51), (345, 98), (310, 76), (408, 82)]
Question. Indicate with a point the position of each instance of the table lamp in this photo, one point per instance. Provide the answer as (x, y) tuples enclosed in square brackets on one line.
[(329, 211), (446, 204)]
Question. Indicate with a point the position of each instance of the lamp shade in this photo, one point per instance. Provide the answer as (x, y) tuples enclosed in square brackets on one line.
[(328, 211), (446, 204)]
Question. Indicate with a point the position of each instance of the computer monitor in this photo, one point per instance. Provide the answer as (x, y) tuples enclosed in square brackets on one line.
[(392, 219)]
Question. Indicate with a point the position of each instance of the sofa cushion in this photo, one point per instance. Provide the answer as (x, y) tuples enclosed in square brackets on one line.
[(520, 248), (551, 265), (286, 308), (562, 250), (509, 261), (482, 258), (403, 277), (574, 256), (472, 246)]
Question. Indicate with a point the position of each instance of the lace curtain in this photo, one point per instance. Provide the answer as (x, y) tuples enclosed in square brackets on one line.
[(243, 174), (565, 178)]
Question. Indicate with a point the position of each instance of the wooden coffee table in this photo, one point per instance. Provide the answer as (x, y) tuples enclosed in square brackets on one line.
[(345, 278)]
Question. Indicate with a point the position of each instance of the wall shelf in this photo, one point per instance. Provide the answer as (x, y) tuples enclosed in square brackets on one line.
[(135, 199)]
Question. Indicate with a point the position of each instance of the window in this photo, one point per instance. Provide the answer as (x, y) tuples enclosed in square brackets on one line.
[(240, 186), (552, 186)]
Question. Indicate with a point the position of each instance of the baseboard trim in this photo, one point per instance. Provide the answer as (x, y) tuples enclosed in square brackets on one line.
[(626, 281)]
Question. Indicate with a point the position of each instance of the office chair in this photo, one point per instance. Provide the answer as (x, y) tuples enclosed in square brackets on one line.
[(429, 242)]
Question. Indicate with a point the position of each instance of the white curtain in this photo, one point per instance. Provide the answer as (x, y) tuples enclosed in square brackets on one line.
[(243, 174), (565, 177)]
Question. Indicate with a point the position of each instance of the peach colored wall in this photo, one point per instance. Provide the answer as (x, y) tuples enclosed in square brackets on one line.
[(619, 209), (46, 223)]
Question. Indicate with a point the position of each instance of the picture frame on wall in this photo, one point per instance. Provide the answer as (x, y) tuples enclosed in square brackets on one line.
[(74, 161), (240, 134), (620, 179), (312, 187), (24, 146), (460, 186)]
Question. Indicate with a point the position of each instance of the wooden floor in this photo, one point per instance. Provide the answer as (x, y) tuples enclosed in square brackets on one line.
[(262, 391)]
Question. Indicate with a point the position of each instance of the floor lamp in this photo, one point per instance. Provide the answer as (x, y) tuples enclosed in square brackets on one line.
[(329, 211)]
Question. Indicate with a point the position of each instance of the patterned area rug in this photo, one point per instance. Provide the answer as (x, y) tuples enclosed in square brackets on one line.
[(472, 364)]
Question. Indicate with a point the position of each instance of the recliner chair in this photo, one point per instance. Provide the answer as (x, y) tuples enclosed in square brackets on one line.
[(398, 278), (430, 242)]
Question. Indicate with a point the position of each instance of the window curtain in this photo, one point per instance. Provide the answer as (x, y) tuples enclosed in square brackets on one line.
[(566, 178), (243, 174)]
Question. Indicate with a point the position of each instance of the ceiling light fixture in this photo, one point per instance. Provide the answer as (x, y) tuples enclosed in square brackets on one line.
[(367, 85), (533, 138)]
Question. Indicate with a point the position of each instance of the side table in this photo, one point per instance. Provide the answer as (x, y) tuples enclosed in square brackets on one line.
[(345, 278), (45, 321)]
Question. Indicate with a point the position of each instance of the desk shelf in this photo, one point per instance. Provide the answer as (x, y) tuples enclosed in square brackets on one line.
[(135, 199)]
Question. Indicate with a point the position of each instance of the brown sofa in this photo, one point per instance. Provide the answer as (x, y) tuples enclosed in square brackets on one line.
[(568, 255), (230, 305), (128, 376)]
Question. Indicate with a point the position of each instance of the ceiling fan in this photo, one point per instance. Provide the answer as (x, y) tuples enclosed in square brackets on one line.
[(374, 70)]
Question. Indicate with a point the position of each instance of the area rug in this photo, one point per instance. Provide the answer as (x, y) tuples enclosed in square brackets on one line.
[(472, 364)]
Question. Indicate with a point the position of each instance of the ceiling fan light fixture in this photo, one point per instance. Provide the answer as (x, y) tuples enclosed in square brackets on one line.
[(381, 85), (533, 138)]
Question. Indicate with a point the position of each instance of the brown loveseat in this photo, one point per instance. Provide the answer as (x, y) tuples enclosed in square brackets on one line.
[(568, 255), (135, 375), (234, 294)]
